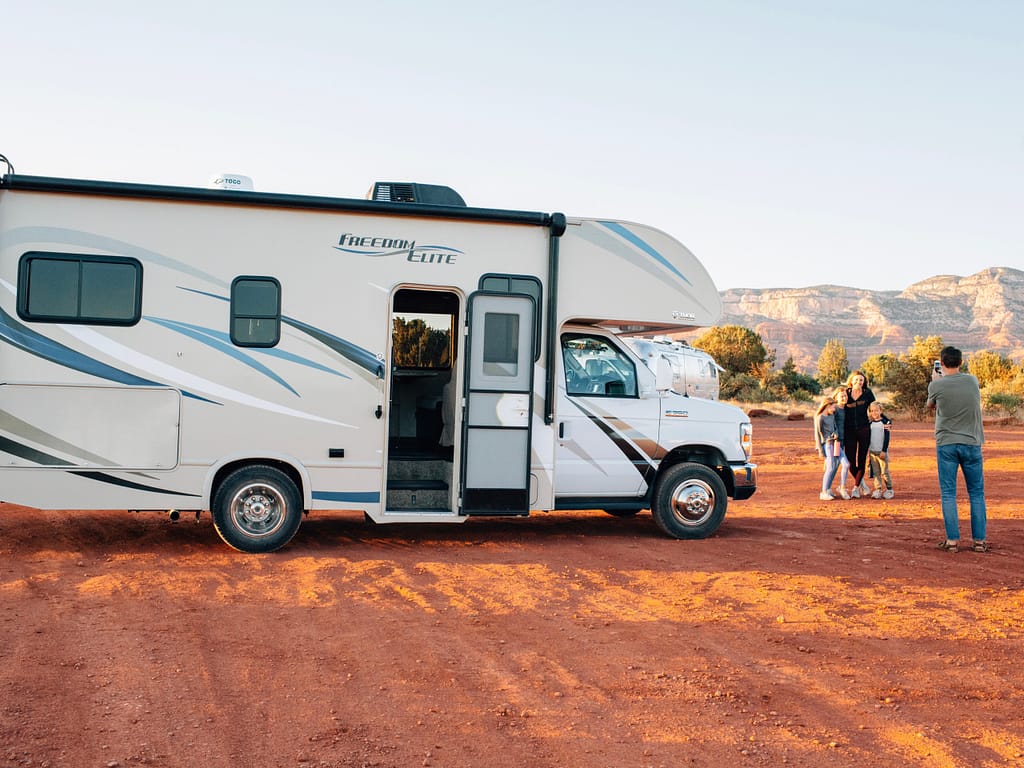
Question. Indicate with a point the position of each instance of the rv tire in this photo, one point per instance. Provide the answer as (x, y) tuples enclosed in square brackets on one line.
[(689, 501), (257, 509)]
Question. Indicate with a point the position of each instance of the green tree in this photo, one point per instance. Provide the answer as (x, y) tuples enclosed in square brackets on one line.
[(990, 367), (833, 365), (735, 348), (878, 368), (789, 382), (924, 351), (908, 379)]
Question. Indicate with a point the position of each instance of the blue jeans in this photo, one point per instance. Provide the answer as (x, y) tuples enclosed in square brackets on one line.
[(844, 469), (830, 466), (968, 459)]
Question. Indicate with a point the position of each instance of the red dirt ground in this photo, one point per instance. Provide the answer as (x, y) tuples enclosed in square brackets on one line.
[(804, 633)]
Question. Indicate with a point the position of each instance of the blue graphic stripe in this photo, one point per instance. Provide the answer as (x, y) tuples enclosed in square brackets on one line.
[(103, 477), (208, 338), (355, 354), (361, 357), (27, 340), (48, 460), (643, 245), (361, 497), (280, 354)]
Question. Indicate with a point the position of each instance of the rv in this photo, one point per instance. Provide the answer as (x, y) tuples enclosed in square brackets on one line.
[(694, 371), (265, 356)]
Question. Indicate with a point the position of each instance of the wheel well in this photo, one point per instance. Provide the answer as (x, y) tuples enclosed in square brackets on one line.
[(227, 469), (700, 454)]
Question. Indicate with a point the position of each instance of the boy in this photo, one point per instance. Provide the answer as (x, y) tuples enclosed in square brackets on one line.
[(878, 451)]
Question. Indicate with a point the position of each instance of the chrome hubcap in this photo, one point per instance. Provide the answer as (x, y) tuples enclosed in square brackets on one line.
[(692, 502), (258, 510)]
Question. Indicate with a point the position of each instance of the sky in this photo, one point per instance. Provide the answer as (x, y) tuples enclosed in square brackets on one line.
[(791, 143)]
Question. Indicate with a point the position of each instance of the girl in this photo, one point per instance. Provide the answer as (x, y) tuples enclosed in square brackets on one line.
[(857, 429), (826, 440), (844, 463)]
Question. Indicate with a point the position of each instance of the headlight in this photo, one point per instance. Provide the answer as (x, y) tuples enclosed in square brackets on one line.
[(747, 438)]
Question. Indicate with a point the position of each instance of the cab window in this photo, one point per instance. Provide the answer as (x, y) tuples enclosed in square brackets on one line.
[(595, 367)]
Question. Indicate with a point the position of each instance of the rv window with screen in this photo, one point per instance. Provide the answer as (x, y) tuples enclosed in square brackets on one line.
[(255, 311), (519, 284), (501, 344), (79, 288)]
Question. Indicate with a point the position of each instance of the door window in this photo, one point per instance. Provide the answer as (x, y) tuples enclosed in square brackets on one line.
[(593, 366)]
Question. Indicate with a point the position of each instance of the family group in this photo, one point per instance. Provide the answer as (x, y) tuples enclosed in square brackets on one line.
[(852, 435)]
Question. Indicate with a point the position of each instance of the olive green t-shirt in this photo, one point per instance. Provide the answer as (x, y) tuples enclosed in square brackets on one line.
[(957, 410)]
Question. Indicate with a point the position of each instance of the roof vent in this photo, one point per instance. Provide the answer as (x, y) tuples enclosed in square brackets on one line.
[(407, 192), (232, 181)]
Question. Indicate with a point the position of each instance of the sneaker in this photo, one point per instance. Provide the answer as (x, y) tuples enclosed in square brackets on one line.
[(864, 490), (826, 496), (844, 493), (855, 493), (876, 495), (888, 494)]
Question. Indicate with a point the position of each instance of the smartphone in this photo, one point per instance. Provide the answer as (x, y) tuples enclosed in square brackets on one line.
[(937, 367)]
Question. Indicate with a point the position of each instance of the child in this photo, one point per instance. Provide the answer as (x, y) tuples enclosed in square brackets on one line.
[(844, 463), (826, 440), (878, 451)]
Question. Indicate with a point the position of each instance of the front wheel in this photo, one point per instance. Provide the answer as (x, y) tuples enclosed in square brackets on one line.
[(689, 501), (257, 509)]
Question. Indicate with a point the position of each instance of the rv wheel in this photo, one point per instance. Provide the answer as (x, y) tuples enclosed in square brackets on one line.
[(689, 501), (257, 509)]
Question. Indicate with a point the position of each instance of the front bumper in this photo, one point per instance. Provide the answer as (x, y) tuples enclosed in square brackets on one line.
[(744, 480)]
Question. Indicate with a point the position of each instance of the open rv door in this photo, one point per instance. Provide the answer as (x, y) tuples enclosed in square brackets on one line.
[(496, 425)]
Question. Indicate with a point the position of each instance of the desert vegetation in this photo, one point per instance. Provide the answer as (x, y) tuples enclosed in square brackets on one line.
[(899, 379)]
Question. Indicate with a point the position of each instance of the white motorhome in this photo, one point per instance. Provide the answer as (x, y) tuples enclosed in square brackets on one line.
[(694, 371), (264, 355)]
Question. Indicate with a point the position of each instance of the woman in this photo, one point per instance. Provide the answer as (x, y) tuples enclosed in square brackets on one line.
[(857, 429)]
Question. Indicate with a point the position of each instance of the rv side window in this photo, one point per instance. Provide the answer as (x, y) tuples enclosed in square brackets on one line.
[(255, 311), (519, 284), (79, 288)]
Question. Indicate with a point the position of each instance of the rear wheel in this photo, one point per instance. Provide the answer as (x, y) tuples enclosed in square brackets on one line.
[(257, 509), (689, 501)]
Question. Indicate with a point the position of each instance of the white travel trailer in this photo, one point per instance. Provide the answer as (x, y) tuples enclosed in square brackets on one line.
[(264, 355), (694, 371)]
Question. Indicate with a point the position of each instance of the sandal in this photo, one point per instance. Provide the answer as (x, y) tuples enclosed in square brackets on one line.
[(979, 546), (949, 546)]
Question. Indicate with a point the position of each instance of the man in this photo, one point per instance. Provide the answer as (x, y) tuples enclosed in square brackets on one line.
[(956, 400)]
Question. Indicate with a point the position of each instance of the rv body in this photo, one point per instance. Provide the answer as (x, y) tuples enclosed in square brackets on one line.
[(262, 356), (694, 372)]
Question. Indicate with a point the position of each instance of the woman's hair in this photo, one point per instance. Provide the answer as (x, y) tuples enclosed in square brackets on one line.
[(849, 379), (825, 403)]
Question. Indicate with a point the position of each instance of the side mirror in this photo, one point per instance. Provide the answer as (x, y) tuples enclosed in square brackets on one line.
[(663, 375)]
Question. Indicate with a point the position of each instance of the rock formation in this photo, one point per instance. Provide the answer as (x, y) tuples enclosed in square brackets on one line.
[(981, 311)]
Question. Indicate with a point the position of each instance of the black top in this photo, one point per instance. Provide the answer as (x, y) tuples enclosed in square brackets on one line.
[(857, 410)]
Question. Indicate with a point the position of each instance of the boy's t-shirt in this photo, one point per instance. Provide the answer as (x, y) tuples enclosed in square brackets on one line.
[(876, 442)]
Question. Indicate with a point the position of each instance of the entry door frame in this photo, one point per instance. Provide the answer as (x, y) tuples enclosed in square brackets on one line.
[(498, 412)]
